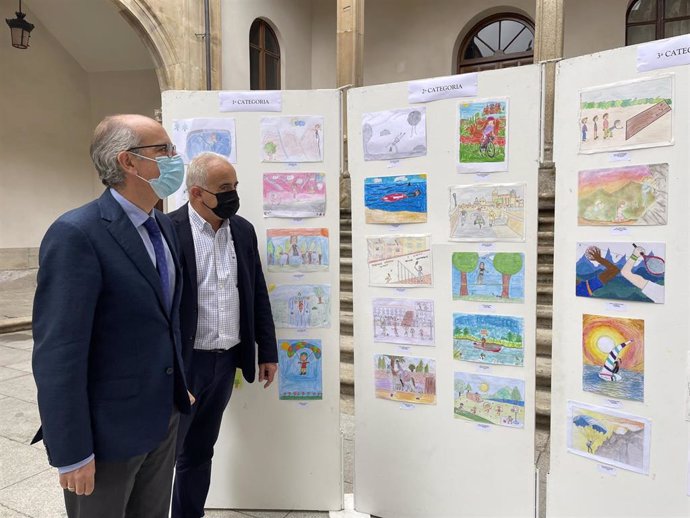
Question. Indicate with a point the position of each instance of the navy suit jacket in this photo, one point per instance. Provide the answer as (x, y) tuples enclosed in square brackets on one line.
[(107, 354), (256, 319)]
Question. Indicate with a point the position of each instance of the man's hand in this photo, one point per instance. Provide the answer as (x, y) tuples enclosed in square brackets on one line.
[(81, 480), (192, 399), (267, 372)]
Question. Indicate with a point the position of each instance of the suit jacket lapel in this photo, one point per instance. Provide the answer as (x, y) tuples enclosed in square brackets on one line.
[(184, 234), (239, 253), (123, 231)]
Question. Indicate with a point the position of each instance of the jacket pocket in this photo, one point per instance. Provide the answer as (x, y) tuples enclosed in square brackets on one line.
[(115, 389)]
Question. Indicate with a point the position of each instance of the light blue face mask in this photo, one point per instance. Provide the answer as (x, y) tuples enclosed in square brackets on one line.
[(171, 175)]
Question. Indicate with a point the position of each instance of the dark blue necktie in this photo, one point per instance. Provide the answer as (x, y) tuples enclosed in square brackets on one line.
[(161, 262)]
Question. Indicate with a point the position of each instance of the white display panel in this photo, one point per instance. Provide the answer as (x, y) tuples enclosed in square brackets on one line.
[(582, 484), (272, 453), (418, 460)]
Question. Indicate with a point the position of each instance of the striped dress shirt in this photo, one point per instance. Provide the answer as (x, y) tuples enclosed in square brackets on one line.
[(218, 325)]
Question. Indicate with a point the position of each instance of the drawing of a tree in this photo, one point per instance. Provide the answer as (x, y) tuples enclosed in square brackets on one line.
[(507, 265), (319, 292), (465, 262), (270, 248), (515, 395), (270, 148), (413, 119)]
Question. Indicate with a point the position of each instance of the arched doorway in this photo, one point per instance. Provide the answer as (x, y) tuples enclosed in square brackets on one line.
[(500, 41)]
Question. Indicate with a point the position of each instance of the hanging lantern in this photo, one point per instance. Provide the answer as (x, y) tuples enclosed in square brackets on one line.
[(20, 29)]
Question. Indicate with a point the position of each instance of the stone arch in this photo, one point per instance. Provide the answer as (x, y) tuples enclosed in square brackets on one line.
[(159, 44)]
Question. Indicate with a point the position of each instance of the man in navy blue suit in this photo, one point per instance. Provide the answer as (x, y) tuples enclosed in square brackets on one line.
[(225, 317), (107, 357)]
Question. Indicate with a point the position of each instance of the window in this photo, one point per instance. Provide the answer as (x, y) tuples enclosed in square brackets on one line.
[(500, 41), (649, 20), (264, 57)]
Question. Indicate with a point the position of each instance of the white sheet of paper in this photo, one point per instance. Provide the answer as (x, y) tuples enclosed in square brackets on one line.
[(291, 139), (670, 52), (194, 136), (394, 134), (448, 87), (256, 101)]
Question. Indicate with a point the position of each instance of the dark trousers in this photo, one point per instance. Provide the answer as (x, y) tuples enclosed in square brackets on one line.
[(212, 377), (136, 488)]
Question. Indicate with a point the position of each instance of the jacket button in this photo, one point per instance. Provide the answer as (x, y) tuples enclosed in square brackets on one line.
[(169, 370)]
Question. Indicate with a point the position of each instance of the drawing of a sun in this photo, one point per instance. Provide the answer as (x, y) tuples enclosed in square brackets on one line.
[(484, 387)]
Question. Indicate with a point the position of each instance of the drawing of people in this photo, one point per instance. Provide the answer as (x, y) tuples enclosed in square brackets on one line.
[(480, 273), (303, 357), (588, 287), (595, 123), (463, 217), (590, 442), (620, 217), (388, 277), (418, 268), (317, 136), (607, 131), (479, 220), (488, 130), (584, 129)]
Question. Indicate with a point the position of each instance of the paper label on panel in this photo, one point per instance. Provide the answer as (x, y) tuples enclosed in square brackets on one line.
[(263, 101), (670, 52), (448, 87)]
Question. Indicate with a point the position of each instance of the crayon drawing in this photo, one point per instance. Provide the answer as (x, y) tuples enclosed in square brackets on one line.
[(394, 134), (294, 195), (488, 277), (487, 212), (399, 261), (403, 321), (633, 195), (628, 115), (613, 356), (621, 271), (489, 399), (495, 339), (297, 249), (300, 306), (395, 199), (300, 376), (608, 436), (194, 136), (405, 378), (291, 139), (483, 136)]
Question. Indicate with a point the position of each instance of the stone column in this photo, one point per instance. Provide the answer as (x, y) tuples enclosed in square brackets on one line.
[(349, 70), (548, 47)]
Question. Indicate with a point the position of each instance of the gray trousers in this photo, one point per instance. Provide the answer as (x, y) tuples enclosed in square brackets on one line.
[(139, 487)]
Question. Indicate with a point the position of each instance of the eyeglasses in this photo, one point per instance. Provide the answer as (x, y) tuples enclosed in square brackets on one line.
[(169, 149)]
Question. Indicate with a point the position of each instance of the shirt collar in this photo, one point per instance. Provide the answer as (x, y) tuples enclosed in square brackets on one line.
[(201, 224), (136, 215)]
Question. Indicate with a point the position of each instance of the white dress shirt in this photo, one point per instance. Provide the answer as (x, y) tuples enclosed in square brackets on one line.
[(218, 324)]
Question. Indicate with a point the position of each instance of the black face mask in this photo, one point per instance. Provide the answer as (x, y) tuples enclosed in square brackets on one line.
[(228, 203)]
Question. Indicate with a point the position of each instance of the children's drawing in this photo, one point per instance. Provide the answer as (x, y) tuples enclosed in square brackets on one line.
[(300, 376), (194, 136), (297, 249), (301, 306), (633, 114), (633, 195), (487, 212), (613, 356), (291, 139), (621, 271), (395, 199), (405, 378), (483, 136), (394, 134), (399, 261), (489, 399), (489, 277), (403, 321), (495, 339), (608, 436), (294, 195)]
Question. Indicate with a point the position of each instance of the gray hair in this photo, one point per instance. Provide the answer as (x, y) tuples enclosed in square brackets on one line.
[(112, 135), (198, 168)]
